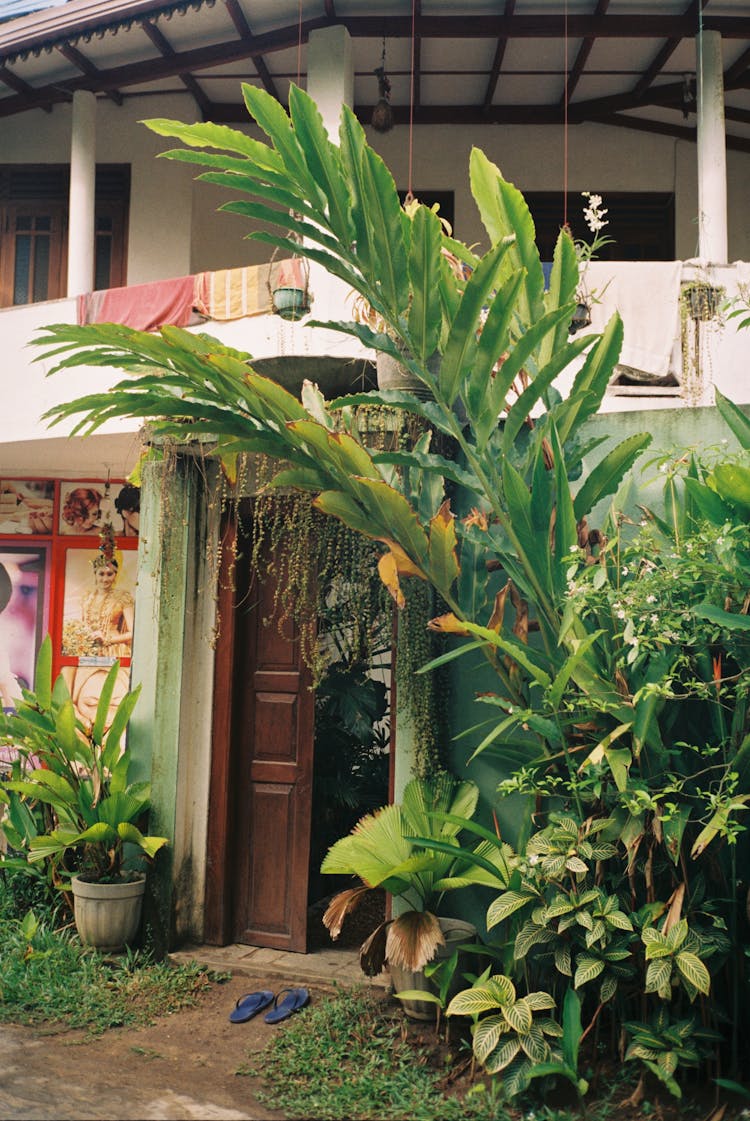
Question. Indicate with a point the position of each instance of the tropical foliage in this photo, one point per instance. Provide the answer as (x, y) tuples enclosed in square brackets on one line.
[(619, 652), (69, 807)]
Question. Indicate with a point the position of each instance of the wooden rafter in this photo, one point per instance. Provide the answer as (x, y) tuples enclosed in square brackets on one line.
[(79, 60), (165, 48), (243, 30), (584, 51), (497, 62)]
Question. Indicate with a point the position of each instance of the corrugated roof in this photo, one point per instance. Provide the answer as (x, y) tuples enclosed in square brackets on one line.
[(14, 9)]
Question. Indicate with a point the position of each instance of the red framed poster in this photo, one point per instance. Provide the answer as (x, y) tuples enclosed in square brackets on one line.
[(76, 584)]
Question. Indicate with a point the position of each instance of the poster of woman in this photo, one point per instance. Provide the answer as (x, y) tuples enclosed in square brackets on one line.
[(22, 617), (99, 604)]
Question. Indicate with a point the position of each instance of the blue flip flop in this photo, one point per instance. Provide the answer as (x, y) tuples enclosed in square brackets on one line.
[(249, 1005), (292, 1002)]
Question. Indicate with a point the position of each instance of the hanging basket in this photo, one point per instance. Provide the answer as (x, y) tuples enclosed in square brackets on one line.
[(581, 318), (290, 296), (702, 301)]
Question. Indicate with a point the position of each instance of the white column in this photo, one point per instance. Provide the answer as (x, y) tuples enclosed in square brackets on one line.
[(712, 155), (82, 186), (330, 74)]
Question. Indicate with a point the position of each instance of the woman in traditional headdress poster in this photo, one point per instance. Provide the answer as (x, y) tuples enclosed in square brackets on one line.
[(107, 612)]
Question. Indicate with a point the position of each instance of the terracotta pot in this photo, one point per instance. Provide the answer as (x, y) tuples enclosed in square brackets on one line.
[(108, 916), (455, 932)]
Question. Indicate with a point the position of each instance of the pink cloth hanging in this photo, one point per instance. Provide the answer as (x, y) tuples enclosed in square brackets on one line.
[(144, 307)]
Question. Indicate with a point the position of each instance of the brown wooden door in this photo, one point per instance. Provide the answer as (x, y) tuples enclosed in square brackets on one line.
[(261, 774)]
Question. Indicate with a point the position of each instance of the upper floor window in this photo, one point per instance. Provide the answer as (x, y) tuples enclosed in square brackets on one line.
[(34, 229)]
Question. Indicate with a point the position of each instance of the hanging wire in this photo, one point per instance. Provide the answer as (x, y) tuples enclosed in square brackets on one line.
[(565, 121), (409, 193), (299, 44)]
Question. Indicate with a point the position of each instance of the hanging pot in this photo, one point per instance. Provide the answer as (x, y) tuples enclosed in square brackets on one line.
[(702, 301), (290, 303), (291, 296), (581, 318)]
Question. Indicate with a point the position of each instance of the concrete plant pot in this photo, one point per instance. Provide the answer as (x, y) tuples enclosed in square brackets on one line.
[(456, 932), (107, 916)]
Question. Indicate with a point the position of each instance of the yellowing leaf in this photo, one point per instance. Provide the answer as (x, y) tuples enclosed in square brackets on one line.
[(388, 572)]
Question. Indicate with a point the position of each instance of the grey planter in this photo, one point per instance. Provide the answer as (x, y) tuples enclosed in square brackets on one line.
[(455, 932), (108, 916)]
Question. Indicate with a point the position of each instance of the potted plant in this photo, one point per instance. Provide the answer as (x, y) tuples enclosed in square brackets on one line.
[(412, 850), (291, 294), (594, 216), (70, 807), (701, 300)]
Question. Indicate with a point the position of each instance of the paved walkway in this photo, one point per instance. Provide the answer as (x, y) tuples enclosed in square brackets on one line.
[(327, 967)]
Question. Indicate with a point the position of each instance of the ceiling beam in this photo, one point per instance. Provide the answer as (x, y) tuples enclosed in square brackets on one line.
[(497, 62), (166, 50), (243, 30), (13, 82), (682, 132), (661, 59), (75, 58), (738, 69)]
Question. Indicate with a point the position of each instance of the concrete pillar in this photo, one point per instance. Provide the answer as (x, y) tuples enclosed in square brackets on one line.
[(712, 155), (330, 74), (82, 187), (170, 731)]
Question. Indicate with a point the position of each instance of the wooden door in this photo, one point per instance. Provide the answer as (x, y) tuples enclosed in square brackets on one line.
[(261, 794)]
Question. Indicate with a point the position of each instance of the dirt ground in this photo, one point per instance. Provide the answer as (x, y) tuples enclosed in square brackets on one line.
[(185, 1066)]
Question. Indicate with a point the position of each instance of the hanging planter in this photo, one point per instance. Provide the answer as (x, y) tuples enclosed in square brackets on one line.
[(290, 296), (701, 300), (581, 317)]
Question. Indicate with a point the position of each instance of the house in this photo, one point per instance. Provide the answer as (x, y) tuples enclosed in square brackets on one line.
[(648, 109)]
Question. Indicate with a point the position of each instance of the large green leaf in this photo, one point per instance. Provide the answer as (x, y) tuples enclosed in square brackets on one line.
[(735, 418), (424, 275), (461, 346), (591, 382), (606, 476), (504, 213), (324, 160)]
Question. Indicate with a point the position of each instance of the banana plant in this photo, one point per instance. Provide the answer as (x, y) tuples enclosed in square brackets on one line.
[(503, 499)]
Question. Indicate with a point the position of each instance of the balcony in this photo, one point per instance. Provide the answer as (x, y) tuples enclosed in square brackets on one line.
[(673, 352)]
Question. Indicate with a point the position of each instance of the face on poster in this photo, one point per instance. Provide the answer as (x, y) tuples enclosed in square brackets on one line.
[(22, 615), (85, 506), (99, 604), (26, 505), (85, 684)]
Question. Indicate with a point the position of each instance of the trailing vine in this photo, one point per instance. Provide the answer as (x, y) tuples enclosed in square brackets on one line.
[(425, 694)]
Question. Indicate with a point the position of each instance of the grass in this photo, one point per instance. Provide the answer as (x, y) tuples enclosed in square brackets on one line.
[(345, 1058), (47, 975)]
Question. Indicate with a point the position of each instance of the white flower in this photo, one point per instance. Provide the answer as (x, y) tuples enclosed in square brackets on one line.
[(654, 619), (573, 549), (625, 570), (620, 614), (651, 599)]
